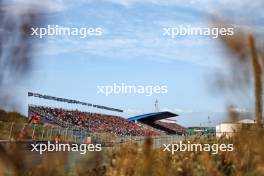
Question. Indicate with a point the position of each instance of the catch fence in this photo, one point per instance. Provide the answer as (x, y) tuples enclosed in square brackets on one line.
[(38, 132)]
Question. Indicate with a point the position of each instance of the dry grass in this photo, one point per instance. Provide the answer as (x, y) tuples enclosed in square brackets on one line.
[(246, 159), (136, 160)]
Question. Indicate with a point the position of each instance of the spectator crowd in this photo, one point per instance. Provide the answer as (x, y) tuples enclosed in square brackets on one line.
[(95, 122)]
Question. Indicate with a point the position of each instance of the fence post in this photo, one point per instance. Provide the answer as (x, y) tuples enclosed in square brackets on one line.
[(47, 136), (66, 134), (11, 129), (42, 134), (72, 136), (33, 132), (51, 133), (59, 134), (81, 133)]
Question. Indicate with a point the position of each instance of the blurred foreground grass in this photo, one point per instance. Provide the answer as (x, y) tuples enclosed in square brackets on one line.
[(134, 159)]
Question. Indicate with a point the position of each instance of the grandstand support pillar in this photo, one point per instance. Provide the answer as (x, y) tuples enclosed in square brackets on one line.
[(10, 132)]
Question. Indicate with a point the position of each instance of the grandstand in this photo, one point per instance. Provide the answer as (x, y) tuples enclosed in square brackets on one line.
[(92, 122), (101, 127), (153, 120), (55, 120)]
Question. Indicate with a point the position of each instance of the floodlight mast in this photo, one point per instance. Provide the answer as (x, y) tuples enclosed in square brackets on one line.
[(157, 105), (209, 122)]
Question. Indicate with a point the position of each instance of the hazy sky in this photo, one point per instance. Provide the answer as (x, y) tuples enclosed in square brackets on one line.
[(133, 50)]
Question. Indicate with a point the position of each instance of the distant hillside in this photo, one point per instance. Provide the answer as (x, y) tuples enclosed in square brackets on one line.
[(12, 117)]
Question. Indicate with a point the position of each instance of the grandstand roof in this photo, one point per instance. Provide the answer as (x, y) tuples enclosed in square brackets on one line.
[(153, 116)]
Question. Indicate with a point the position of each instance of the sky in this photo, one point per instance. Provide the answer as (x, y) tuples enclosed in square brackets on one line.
[(134, 51)]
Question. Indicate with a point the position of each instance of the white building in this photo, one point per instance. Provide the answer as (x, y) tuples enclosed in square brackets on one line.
[(230, 128)]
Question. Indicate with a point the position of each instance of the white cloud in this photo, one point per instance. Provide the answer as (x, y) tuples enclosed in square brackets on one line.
[(247, 7), (155, 49), (219, 8), (140, 42), (177, 110), (133, 111)]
